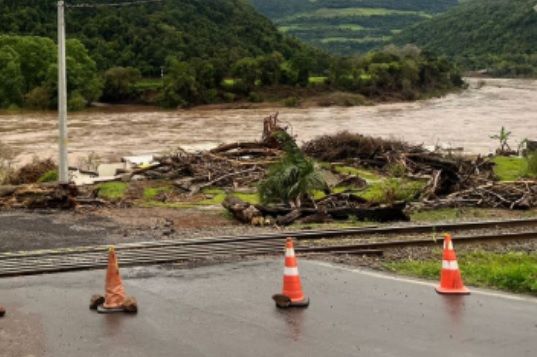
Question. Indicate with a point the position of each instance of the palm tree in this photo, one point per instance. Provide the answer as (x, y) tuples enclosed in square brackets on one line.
[(293, 179)]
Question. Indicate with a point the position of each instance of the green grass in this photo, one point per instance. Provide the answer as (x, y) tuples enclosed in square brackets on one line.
[(380, 189), (149, 84), (49, 176), (447, 214), (368, 175), (219, 195), (326, 13), (228, 83), (393, 189), (514, 271), (112, 190), (317, 80), (510, 168), (365, 39), (215, 197), (468, 213), (151, 192)]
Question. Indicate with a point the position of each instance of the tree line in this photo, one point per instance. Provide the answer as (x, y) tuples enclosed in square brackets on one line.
[(28, 76)]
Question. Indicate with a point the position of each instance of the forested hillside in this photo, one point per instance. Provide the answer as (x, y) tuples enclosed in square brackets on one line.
[(143, 36), (500, 35), (197, 42), (348, 26), (211, 51)]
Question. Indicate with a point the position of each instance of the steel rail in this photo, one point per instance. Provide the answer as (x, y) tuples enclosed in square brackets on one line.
[(49, 261), (424, 242), (300, 235)]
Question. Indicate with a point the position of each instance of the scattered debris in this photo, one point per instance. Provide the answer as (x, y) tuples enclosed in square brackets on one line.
[(32, 172), (520, 195), (38, 196), (232, 165), (332, 207)]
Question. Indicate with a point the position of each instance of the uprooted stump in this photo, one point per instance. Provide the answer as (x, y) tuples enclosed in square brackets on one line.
[(39, 196)]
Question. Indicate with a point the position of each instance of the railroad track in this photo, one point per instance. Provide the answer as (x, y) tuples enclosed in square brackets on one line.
[(169, 251)]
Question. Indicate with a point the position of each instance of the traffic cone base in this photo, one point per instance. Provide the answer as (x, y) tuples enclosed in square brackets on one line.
[(461, 291), (292, 295), (104, 310)]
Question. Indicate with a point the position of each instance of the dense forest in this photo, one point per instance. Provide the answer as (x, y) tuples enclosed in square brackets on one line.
[(498, 35), (28, 73), (143, 36), (348, 26), (210, 51)]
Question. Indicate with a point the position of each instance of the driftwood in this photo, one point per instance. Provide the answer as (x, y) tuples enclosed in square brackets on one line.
[(520, 195), (242, 211), (335, 207)]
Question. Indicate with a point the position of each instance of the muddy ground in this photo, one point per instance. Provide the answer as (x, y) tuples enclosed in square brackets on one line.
[(25, 230)]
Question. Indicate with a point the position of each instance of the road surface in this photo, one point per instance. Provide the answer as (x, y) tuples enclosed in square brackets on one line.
[(226, 310)]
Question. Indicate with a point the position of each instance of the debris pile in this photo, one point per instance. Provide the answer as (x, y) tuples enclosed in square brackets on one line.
[(520, 195), (446, 174), (234, 165), (333, 207), (31, 172), (38, 196)]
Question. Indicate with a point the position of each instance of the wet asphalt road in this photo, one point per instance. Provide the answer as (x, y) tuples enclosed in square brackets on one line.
[(29, 230), (226, 310)]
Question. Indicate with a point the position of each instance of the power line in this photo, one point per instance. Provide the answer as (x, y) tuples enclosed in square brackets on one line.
[(127, 3)]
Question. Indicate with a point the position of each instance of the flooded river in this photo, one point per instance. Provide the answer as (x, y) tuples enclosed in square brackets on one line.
[(465, 119)]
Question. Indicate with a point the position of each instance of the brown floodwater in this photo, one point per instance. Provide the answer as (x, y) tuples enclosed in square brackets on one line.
[(466, 119)]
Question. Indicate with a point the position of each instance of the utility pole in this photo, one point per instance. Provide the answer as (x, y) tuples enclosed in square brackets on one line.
[(63, 169)]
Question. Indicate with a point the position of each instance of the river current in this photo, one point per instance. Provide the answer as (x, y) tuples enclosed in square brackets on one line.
[(466, 119)]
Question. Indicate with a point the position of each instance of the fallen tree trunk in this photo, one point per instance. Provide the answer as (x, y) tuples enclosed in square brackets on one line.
[(286, 215)]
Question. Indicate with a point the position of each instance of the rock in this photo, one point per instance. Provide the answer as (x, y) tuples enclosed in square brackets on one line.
[(137, 178), (130, 305), (95, 301), (185, 183)]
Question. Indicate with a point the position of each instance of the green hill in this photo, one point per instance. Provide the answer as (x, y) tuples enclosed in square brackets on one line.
[(348, 26), (500, 35), (143, 36)]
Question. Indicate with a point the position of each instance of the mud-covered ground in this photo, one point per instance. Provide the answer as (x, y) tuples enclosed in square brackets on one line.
[(21, 230)]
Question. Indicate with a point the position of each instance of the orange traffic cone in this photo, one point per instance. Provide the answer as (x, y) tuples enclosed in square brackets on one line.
[(115, 299), (292, 295), (450, 277), (2, 311)]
